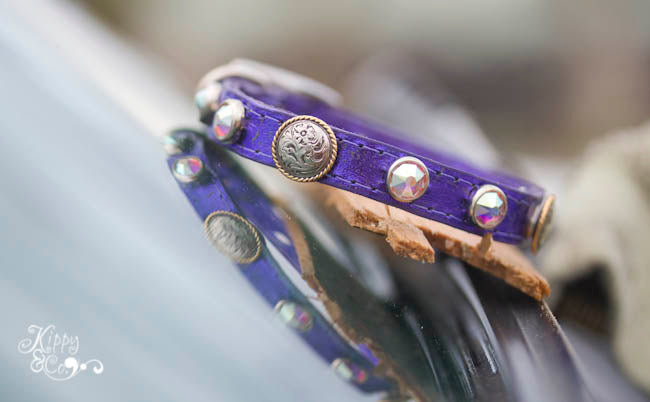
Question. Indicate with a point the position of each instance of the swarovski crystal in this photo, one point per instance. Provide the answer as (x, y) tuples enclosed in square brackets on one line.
[(206, 98), (188, 168), (171, 145), (177, 142), (294, 315), (407, 179), (227, 120), (489, 207), (349, 371)]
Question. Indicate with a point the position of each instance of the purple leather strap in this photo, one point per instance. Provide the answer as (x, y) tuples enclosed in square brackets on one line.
[(367, 150), (223, 187)]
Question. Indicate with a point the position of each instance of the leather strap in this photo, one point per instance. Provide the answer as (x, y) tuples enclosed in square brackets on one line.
[(223, 187), (366, 151)]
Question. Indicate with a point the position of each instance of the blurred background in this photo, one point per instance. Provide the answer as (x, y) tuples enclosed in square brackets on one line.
[(541, 76), (544, 81), (560, 91)]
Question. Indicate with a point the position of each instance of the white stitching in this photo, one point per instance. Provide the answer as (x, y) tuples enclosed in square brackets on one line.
[(374, 189), (339, 178)]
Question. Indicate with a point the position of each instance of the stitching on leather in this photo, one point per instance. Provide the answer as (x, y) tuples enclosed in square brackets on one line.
[(257, 151), (453, 217), (257, 132), (438, 173), (366, 146), (375, 189), (259, 114), (351, 182)]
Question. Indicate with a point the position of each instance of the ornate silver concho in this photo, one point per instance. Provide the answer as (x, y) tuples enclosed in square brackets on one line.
[(304, 148), (233, 236)]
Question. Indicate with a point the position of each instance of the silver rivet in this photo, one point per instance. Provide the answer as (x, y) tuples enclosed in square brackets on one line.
[(544, 223), (207, 98), (489, 207), (228, 120), (233, 236), (294, 315), (187, 169), (407, 179), (304, 148), (349, 371)]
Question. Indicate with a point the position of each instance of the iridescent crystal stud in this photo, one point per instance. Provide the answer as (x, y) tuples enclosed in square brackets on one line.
[(187, 169), (407, 179), (349, 371), (227, 121), (294, 315), (207, 99), (544, 224), (177, 142), (304, 148), (233, 236), (489, 207)]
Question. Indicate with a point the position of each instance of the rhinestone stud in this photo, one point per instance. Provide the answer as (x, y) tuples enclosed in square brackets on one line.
[(228, 119), (207, 99), (177, 142), (233, 236), (489, 207), (349, 371), (304, 148), (544, 224), (187, 169), (294, 315), (407, 179)]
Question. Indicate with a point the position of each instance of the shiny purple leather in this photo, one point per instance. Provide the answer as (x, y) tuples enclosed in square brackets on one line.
[(366, 151), (224, 187)]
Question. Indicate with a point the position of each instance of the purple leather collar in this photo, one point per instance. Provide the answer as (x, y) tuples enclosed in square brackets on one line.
[(218, 184), (364, 154)]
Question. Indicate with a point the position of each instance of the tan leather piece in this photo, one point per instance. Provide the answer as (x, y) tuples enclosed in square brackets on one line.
[(416, 237)]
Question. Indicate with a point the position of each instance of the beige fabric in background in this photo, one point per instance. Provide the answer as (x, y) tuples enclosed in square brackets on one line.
[(604, 223)]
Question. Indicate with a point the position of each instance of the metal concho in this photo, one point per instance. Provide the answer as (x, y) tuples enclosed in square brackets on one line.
[(233, 236), (304, 148)]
